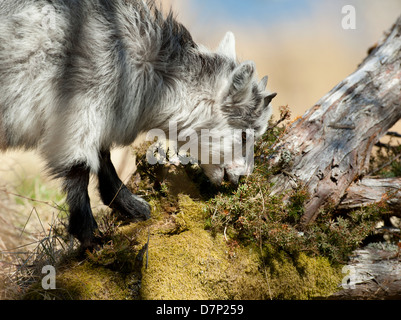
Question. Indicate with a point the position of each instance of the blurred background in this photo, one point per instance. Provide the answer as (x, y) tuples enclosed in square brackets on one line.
[(300, 44)]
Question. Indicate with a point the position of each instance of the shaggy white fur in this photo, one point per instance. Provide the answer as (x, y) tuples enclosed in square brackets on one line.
[(78, 77)]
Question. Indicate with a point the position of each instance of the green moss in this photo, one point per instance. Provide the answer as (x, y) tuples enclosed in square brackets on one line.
[(93, 283), (185, 261), (301, 277), (195, 265), (84, 282)]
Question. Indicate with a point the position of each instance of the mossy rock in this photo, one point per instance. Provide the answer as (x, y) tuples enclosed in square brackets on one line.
[(187, 262), (301, 277), (193, 265), (83, 282), (172, 256)]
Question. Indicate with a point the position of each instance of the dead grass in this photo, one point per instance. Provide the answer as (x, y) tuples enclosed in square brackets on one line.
[(24, 249), (29, 212), (33, 219)]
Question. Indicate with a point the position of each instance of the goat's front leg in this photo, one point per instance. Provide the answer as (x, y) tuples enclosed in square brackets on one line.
[(116, 195)]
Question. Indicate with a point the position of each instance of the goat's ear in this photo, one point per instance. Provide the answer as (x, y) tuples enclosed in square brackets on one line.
[(227, 46), (241, 78), (269, 99), (263, 83)]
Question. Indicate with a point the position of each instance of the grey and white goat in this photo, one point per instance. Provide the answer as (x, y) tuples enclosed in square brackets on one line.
[(79, 77)]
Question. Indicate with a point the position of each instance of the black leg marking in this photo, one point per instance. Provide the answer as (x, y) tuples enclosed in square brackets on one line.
[(116, 195), (82, 225)]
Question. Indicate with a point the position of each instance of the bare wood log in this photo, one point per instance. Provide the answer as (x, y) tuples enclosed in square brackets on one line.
[(371, 191), (373, 272), (330, 145)]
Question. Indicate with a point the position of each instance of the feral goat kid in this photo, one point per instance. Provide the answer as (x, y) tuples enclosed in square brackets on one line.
[(79, 77)]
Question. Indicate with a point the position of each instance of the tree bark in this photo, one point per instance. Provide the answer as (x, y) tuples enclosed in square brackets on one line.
[(329, 148), (373, 273), (374, 190)]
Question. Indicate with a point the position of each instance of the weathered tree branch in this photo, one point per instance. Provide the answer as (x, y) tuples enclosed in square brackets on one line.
[(373, 273), (330, 146), (372, 191)]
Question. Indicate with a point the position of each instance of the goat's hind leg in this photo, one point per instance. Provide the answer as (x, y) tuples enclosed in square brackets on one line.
[(116, 195), (82, 224)]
